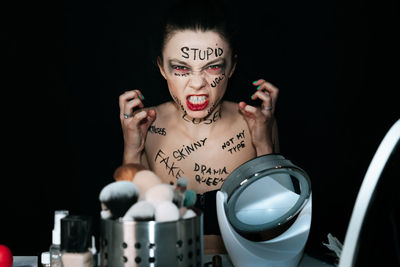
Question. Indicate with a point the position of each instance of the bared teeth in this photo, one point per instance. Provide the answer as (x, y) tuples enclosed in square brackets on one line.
[(197, 100)]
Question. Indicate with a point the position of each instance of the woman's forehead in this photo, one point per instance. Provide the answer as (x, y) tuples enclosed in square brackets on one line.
[(196, 45)]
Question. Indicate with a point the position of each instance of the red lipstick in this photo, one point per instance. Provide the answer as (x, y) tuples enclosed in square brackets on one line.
[(197, 102)]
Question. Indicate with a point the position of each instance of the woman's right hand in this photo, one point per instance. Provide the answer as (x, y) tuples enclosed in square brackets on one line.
[(134, 124)]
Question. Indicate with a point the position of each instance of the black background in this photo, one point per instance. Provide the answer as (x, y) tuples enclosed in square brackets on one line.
[(66, 62)]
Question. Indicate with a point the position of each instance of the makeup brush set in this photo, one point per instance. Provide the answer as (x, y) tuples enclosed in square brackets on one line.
[(145, 222)]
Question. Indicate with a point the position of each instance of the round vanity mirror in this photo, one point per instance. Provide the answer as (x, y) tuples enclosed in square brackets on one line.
[(265, 195)]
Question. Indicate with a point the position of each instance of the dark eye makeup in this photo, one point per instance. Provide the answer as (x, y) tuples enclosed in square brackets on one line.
[(211, 68)]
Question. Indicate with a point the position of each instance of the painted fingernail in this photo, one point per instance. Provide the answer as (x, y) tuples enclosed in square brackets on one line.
[(252, 96), (258, 88), (255, 82), (142, 97)]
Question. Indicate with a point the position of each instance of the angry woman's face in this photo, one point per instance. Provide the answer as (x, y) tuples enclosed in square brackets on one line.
[(197, 66)]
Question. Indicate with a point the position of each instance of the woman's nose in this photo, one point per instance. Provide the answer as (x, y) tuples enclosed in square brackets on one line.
[(197, 80)]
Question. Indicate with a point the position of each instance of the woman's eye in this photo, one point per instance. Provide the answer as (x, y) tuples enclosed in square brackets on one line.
[(215, 67), (180, 68)]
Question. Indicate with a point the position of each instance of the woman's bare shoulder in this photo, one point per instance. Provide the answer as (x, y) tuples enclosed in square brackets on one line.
[(164, 111), (231, 105), (232, 111)]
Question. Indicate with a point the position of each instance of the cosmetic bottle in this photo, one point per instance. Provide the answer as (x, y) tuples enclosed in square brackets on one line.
[(55, 252), (75, 241), (45, 259)]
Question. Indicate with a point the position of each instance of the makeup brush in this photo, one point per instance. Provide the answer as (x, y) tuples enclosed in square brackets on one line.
[(144, 180), (179, 191), (140, 211), (118, 197), (166, 212), (127, 171), (105, 214), (189, 213), (182, 183), (159, 193), (190, 198)]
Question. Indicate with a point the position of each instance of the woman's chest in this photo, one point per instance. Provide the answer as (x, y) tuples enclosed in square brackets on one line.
[(205, 161)]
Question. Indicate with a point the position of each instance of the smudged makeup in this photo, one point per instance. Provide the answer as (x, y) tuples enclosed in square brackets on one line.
[(199, 102), (197, 66)]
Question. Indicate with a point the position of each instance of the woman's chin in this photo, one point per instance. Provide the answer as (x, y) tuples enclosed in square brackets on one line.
[(196, 114)]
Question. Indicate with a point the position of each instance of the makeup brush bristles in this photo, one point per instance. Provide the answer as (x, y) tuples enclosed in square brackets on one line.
[(140, 211), (117, 198), (127, 171), (190, 198), (145, 180), (182, 182), (139, 195)]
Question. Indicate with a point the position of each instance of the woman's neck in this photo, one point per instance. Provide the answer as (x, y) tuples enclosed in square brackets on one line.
[(198, 124)]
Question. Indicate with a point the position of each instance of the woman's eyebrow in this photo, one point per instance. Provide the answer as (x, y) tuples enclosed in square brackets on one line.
[(177, 61), (221, 61), (215, 61)]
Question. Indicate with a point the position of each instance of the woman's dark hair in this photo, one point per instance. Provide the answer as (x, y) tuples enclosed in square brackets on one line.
[(199, 15)]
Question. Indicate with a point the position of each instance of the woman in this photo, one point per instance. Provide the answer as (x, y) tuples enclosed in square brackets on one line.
[(198, 135)]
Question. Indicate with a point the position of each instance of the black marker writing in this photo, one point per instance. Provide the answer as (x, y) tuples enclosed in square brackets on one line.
[(173, 170), (209, 180), (231, 146), (181, 74), (227, 143), (240, 135), (237, 147), (184, 51), (208, 120), (201, 54), (156, 130), (214, 117), (217, 80), (208, 175), (177, 101), (186, 150), (204, 170), (213, 106)]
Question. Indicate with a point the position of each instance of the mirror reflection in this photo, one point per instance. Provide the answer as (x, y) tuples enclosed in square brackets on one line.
[(268, 198)]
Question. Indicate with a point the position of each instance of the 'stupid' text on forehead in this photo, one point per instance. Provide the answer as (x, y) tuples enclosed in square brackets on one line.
[(201, 54)]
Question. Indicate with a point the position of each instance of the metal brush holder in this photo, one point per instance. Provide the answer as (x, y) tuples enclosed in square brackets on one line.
[(151, 243)]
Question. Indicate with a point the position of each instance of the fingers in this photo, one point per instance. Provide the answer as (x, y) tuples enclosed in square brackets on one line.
[(148, 116), (130, 100), (142, 117), (266, 99), (250, 112), (267, 93), (151, 115), (262, 84), (243, 106)]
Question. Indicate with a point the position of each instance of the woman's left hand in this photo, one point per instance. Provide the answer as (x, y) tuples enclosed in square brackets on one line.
[(261, 120)]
